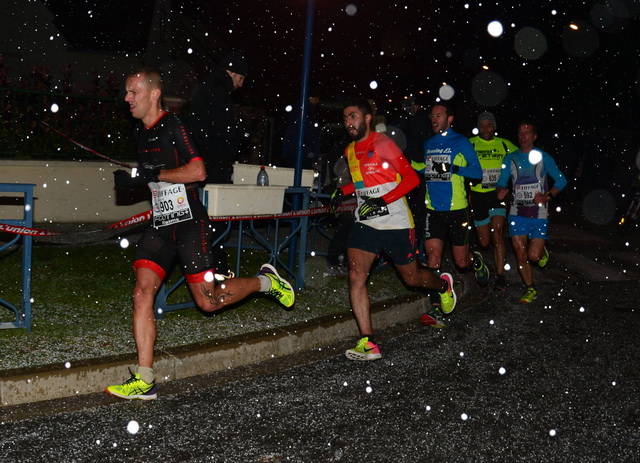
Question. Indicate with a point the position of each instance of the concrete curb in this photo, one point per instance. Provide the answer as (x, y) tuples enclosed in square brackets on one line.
[(57, 381), (28, 385)]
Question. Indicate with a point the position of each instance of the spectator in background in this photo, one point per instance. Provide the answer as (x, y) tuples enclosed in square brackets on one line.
[(212, 119), (488, 211), (336, 253), (217, 134), (418, 132), (418, 128)]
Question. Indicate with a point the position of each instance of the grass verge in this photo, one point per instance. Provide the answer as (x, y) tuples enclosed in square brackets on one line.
[(82, 305)]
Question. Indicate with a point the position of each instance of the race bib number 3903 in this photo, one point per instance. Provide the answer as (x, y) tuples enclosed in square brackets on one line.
[(170, 205)]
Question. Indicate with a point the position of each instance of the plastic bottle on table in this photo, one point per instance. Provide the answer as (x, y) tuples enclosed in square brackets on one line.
[(263, 177)]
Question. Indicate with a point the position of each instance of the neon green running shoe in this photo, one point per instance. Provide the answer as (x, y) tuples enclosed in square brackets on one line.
[(281, 289), (448, 298), (544, 260), (529, 295), (364, 350), (133, 388)]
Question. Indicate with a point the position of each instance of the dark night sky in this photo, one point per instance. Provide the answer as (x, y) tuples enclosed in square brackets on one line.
[(408, 47)]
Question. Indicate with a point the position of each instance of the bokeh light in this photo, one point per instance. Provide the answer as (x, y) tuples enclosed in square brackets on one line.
[(398, 136), (599, 207), (489, 88), (580, 39), (446, 92), (535, 156), (133, 427), (530, 43), (495, 29)]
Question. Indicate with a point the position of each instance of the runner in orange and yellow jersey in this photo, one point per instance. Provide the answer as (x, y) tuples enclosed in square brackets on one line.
[(380, 178)]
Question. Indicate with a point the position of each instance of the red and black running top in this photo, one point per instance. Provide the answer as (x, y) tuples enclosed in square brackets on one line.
[(166, 143)]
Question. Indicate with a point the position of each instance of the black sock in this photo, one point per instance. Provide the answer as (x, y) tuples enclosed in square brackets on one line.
[(370, 336), (434, 298)]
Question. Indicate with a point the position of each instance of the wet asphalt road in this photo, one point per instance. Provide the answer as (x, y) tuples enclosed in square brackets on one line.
[(553, 381), (556, 380)]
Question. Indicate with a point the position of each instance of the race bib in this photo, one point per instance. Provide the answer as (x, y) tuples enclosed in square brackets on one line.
[(438, 168), (490, 177), (524, 194), (170, 204)]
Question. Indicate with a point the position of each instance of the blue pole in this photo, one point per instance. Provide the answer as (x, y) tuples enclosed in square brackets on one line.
[(304, 96)]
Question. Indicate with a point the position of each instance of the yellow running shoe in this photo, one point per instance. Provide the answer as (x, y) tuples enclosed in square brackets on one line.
[(448, 298), (133, 388), (529, 295), (281, 289), (364, 350), (544, 260)]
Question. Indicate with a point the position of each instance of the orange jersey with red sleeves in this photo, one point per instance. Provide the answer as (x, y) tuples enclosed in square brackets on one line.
[(379, 169)]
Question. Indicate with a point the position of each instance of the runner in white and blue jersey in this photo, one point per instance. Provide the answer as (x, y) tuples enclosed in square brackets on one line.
[(530, 171)]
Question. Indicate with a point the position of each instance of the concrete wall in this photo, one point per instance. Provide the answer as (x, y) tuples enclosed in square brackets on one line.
[(68, 192)]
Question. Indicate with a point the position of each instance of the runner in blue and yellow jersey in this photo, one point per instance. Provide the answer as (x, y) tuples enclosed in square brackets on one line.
[(449, 158), (380, 178), (171, 167), (488, 211), (529, 170)]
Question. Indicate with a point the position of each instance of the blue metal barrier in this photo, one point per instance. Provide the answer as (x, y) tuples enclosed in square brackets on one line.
[(23, 312)]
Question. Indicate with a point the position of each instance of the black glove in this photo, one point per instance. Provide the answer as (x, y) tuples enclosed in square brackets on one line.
[(124, 181), (373, 207), (440, 167), (336, 199), (444, 167)]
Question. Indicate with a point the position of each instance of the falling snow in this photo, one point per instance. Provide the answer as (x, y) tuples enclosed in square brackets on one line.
[(570, 359)]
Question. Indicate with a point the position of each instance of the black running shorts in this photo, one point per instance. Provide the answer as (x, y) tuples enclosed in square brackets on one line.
[(486, 205), (189, 241), (398, 245), (441, 224)]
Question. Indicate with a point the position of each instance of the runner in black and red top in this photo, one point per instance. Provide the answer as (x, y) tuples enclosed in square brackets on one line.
[(172, 167)]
